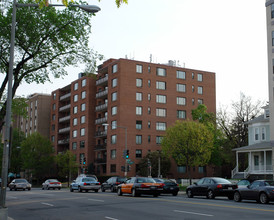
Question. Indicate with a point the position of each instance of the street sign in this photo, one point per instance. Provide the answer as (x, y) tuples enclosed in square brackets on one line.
[(129, 161)]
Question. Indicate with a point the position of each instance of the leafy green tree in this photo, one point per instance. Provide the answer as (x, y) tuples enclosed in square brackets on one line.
[(66, 165), (37, 154), (153, 159), (189, 143), (47, 41)]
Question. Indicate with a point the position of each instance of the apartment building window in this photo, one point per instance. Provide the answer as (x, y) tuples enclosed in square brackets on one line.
[(161, 72), (181, 87), (180, 74), (138, 153), (114, 96), (83, 107), (83, 119), (272, 10), (256, 133), (74, 133), (138, 139), (138, 96), (84, 82), (53, 117), (181, 114), (148, 124), (75, 86), (82, 144), (192, 75), (113, 139), (158, 139), (114, 82), (161, 112), (139, 82), (200, 90), (148, 110), (138, 110), (160, 98), (52, 138), (139, 68), (75, 110), (148, 138), (54, 96), (160, 85), (263, 134), (200, 101), (148, 96), (114, 68), (114, 125), (53, 107), (74, 145), (201, 169), (83, 94), (160, 126), (113, 168), (193, 88), (82, 132), (200, 77), (181, 169), (114, 110), (193, 101), (149, 83), (181, 101), (139, 125), (113, 154), (74, 121), (149, 69), (75, 98)]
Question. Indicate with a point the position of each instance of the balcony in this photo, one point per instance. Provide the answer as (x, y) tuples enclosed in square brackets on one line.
[(101, 160), (101, 120), (102, 81), (102, 94), (102, 107), (64, 119), (100, 134), (100, 147), (64, 141), (65, 97), (64, 130), (64, 108)]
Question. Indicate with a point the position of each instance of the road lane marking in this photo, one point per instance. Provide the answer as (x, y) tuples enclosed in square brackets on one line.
[(12, 197), (110, 218), (96, 200), (194, 213), (44, 203)]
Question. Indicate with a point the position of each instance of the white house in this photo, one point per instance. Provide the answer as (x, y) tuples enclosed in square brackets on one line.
[(260, 150)]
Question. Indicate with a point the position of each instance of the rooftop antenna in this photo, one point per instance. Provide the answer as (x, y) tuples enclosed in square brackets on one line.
[(150, 58)]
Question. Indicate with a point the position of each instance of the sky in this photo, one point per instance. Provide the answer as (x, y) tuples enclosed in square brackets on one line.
[(225, 37)]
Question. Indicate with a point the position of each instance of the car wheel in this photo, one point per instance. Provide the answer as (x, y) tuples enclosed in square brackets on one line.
[(71, 189), (15, 189), (24, 189), (155, 195), (10, 189), (86, 190), (59, 188), (263, 198), (42, 188), (103, 189), (133, 193), (96, 190), (119, 192), (210, 194), (237, 197), (79, 189), (189, 193), (47, 188), (175, 193), (29, 189)]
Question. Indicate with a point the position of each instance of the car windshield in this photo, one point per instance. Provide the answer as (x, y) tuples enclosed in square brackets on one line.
[(121, 179), (53, 180), (145, 180), (158, 180), (88, 179), (221, 180), (20, 181), (269, 183)]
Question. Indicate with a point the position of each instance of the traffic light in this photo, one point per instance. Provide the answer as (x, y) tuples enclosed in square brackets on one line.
[(124, 154), (80, 160), (84, 162), (127, 154)]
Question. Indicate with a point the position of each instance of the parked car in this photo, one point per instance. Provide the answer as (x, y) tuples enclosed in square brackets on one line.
[(140, 185), (85, 183), (244, 183), (169, 186), (19, 184), (260, 190), (212, 187), (112, 183), (51, 184)]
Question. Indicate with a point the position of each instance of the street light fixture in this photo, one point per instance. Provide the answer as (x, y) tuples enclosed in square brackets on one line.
[(116, 126), (5, 160)]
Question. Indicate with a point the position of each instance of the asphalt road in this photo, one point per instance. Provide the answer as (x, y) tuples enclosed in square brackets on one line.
[(61, 204)]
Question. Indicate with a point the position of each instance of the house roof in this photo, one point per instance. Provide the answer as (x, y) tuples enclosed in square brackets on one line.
[(258, 119), (260, 146)]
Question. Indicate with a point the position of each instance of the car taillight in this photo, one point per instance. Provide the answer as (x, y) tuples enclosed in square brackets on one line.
[(161, 185), (98, 183), (117, 183), (144, 186), (85, 184), (219, 186)]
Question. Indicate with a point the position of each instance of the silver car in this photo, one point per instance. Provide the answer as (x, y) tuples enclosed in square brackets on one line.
[(19, 184), (85, 183), (52, 184)]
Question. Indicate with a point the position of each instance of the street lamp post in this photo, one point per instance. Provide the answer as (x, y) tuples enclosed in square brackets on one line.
[(7, 135), (125, 143)]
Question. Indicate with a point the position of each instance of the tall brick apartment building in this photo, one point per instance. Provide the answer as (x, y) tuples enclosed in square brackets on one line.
[(130, 103)]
